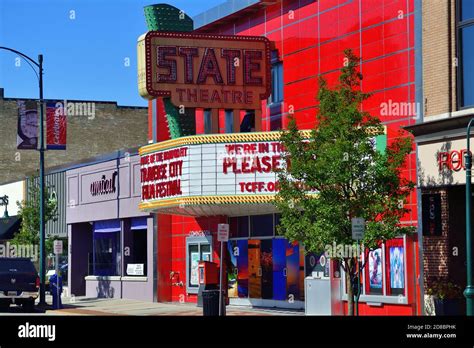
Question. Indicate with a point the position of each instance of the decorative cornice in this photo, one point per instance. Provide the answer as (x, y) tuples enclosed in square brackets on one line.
[(222, 138)]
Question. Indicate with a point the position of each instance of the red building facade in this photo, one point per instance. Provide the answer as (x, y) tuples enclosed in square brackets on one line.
[(309, 38)]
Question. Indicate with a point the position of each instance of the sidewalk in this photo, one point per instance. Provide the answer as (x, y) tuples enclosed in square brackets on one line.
[(94, 306)]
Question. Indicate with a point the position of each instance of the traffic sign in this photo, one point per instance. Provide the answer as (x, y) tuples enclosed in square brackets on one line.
[(222, 232), (58, 247), (358, 228)]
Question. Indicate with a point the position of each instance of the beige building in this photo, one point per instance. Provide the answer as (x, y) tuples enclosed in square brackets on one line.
[(97, 128)]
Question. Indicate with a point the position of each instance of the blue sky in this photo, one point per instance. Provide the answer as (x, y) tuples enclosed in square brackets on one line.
[(84, 57)]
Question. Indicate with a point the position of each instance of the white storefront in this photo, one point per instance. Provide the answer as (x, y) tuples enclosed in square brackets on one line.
[(16, 193)]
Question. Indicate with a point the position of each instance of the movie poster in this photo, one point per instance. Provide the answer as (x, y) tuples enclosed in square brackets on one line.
[(232, 269), (375, 271), (27, 132), (397, 269), (243, 269)]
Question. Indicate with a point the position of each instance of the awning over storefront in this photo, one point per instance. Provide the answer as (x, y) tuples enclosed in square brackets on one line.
[(441, 125), (9, 226), (139, 223), (106, 226)]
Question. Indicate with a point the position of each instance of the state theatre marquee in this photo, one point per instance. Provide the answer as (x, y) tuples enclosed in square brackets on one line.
[(221, 174)]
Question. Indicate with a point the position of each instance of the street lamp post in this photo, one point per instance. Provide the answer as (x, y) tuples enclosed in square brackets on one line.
[(469, 291), (41, 150)]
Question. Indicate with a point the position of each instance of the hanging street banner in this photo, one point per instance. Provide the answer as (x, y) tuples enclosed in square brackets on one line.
[(56, 123), (205, 71), (27, 133)]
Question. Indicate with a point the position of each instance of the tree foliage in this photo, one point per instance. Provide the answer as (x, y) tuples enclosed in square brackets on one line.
[(29, 212), (344, 173)]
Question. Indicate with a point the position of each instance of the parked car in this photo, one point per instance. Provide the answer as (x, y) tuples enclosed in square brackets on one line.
[(19, 283)]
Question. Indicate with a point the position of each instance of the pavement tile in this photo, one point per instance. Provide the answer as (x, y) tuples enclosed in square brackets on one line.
[(125, 307)]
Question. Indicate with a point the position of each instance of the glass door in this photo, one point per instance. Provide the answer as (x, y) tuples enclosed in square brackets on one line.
[(279, 269), (266, 264), (292, 271)]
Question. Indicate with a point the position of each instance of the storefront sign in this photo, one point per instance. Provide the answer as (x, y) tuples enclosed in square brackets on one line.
[(442, 163), (205, 71), (199, 233), (104, 186), (452, 160), (431, 208)]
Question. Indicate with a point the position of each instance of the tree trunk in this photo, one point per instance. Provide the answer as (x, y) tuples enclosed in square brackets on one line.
[(350, 295)]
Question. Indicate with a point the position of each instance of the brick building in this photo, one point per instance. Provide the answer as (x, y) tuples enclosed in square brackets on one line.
[(111, 127), (447, 105)]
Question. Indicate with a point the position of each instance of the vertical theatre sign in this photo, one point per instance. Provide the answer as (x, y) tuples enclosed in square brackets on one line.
[(205, 71)]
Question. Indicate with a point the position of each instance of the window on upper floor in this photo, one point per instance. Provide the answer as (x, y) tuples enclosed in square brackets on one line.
[(466, 53), (277, 80)]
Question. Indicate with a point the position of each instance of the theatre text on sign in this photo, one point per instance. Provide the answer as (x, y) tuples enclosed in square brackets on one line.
[(212, 169), (205, 71)]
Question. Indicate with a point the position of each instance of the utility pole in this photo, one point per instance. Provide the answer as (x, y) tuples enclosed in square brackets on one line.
[(469, 291), (41, 150)]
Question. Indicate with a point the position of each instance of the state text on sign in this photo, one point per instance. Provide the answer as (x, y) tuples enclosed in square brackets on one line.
[(206, 71)]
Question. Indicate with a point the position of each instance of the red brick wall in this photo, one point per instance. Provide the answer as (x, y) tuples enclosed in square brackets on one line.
[(436, 248)]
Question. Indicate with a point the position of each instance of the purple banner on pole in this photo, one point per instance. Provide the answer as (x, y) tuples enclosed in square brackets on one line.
[(27, 133)]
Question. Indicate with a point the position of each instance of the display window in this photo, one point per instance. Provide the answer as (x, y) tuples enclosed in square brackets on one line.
[(264, 266), (262, 225), (374, 272), (106, 256), (135, 248), (239, 227), (395, 266), (384, 273)]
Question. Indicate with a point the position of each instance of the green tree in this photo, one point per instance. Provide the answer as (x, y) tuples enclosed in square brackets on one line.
[(344, 174), (29, 212)]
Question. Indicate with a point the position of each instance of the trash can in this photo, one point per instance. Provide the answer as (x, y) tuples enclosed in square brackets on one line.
[(56, 281), (210, 303)]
